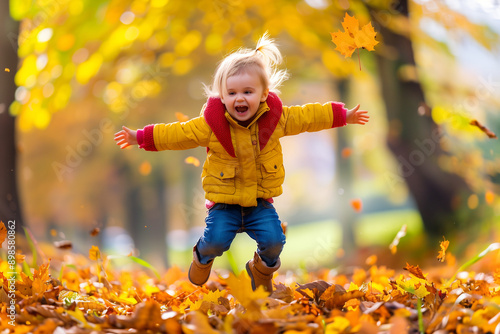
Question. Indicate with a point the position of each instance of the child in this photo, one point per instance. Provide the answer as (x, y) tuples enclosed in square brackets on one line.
[(240, 125)]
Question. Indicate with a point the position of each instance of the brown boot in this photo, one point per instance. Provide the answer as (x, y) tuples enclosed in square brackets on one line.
[(198, 273), (260, 273)]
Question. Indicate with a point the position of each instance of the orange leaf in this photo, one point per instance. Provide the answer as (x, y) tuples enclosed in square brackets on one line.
[(442, 253), (353, 38), (394, 244), (145, 168), (94, 253), (371, 260), (7, 69), (181, 117), (483, 128), (284, 226), (346, 152), (415, 271), (489, 196), (357, 205), (95, 231), (192, 161), (3, 233)]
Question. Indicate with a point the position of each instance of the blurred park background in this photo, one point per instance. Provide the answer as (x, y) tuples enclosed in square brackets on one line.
[(77, 70)]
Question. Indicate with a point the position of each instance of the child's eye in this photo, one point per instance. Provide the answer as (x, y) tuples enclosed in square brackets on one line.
[(231, 93)]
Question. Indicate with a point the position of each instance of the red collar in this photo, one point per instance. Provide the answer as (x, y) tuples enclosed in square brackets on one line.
[(215, 117)]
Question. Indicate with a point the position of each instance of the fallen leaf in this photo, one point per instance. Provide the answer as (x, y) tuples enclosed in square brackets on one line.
[(394, 244), (357, 205), (181, 117), (415, 271), (241, 288), (7, 69), (484, 129), (3, 233), (192, 161), (442, 253)]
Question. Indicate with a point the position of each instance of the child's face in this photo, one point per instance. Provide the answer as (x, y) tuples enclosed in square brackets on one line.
[(243, 95)]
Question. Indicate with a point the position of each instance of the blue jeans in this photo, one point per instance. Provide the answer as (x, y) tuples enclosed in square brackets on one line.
[(260, 222)]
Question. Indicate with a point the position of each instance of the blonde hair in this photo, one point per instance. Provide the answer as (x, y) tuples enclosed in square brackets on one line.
[(264, 60)]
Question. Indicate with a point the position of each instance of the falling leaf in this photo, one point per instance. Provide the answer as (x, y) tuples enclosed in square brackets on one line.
[(284, 226), (53, 232), (357, 205), (145, 168), (415, 271), (95, 231), (484, 129), (353, 38), (20, 258), (181, 117), (394, 244), (192, 161), (7, 69), (94, 253), (442, 253), (63, 244), (489, 197), (371, 260), (346, 152), (3, 233)]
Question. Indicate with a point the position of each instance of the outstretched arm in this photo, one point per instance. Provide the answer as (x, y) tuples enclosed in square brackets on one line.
[(126, 137), (356, 116)]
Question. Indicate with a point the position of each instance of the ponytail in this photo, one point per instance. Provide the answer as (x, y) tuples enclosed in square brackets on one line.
[(264, 59)]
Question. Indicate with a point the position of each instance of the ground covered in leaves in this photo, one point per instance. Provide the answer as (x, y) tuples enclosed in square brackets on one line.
[(88, 294)]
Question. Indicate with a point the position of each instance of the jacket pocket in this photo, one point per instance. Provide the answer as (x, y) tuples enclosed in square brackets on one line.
[(273, 173), (220, 179)]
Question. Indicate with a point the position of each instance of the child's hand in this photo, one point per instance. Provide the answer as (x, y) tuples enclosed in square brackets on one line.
[(126, 137), (355, 116)]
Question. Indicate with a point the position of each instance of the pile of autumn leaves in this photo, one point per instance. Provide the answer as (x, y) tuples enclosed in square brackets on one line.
[(88, 295)]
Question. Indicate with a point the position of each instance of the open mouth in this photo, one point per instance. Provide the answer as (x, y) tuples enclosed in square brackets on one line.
[(241, 109)]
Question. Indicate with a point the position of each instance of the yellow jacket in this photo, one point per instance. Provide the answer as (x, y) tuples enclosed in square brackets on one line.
[(243, 163)]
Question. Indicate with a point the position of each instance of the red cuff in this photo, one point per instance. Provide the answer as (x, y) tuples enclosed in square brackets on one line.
[(145, 138), (140, 138), (339, 114)]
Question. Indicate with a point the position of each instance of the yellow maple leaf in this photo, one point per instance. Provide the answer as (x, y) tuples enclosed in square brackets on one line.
[(442, 253), (414, 285), (353, 37), (94, 253), (241, 288), (40, 277)]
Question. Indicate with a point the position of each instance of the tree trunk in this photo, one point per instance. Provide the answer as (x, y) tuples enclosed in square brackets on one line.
[(10, 209), (413, 138)]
